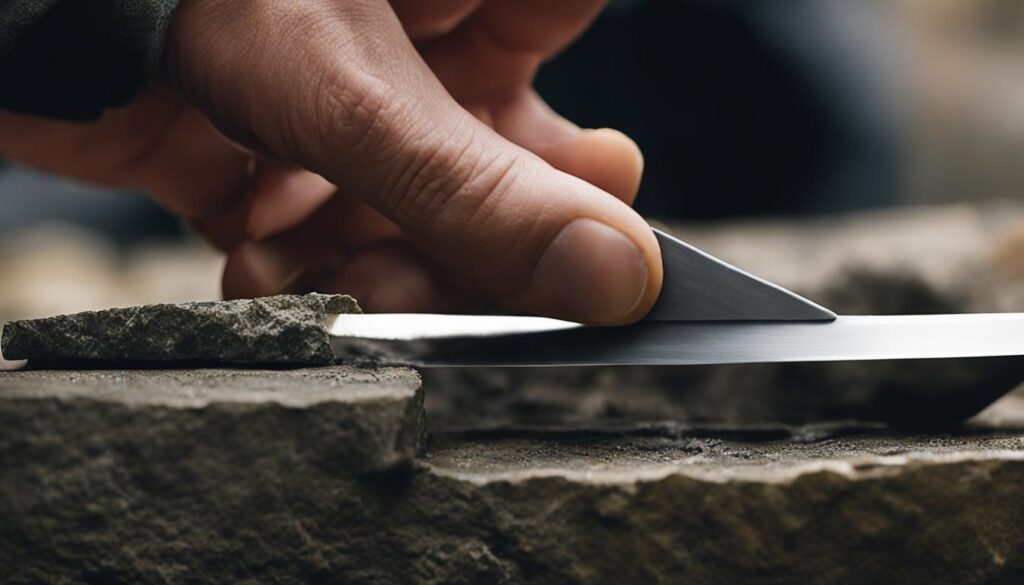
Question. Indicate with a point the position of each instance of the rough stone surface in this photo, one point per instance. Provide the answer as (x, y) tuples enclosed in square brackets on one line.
[(251, 479), (823, 508), (284, 329), (357, 420), (912, 261)]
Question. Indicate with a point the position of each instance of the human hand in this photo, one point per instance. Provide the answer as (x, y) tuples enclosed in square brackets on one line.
[(404, 158)]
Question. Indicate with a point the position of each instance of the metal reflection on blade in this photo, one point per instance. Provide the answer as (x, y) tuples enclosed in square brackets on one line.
[(457, 341)]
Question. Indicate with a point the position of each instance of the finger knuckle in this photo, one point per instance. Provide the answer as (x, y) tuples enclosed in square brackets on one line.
[(452, 178), (357, 115)]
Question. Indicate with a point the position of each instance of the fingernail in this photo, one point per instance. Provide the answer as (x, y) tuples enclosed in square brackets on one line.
[(271, 268), (594, 273)]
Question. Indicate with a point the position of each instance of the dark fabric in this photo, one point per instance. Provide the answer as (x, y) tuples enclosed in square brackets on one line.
[(73, 59)]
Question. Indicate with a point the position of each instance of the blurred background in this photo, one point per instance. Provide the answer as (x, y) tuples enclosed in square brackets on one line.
[(743, 109)]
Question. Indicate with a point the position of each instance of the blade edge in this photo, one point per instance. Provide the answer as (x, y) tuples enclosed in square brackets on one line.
[(847, 338)]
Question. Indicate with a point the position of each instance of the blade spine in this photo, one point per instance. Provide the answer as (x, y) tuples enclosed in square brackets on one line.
[(819, 312)]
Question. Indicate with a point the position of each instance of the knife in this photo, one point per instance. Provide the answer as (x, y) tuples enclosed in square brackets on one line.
[(709, 312)]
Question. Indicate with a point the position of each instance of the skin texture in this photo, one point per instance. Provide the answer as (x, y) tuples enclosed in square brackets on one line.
[(390, 150)]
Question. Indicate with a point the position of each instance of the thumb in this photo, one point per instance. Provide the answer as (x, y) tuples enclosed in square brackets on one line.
[(354, 102), (511, 225)]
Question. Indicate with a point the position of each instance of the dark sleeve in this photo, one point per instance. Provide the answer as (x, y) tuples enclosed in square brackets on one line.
[(72, 59)]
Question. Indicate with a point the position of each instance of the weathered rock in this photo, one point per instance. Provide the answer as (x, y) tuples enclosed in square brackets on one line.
[(248, 477), (284, 329), (910, 261), (871, 507), (355, 420)]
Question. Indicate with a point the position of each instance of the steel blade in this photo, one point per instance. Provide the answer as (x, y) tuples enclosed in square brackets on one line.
[(456, 341), (699, 287)]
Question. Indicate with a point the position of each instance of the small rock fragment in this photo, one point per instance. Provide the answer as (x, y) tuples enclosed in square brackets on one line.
[(286, 329)]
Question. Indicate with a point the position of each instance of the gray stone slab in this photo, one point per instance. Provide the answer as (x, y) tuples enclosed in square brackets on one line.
[(823, 504), (873, 507), (285, 329), (91, 423)]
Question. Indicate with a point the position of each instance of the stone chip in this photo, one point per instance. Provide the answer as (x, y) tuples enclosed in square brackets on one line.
[(286, 329)]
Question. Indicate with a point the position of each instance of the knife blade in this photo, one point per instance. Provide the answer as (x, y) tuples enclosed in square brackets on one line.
[(472, 341), (709, 312)]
